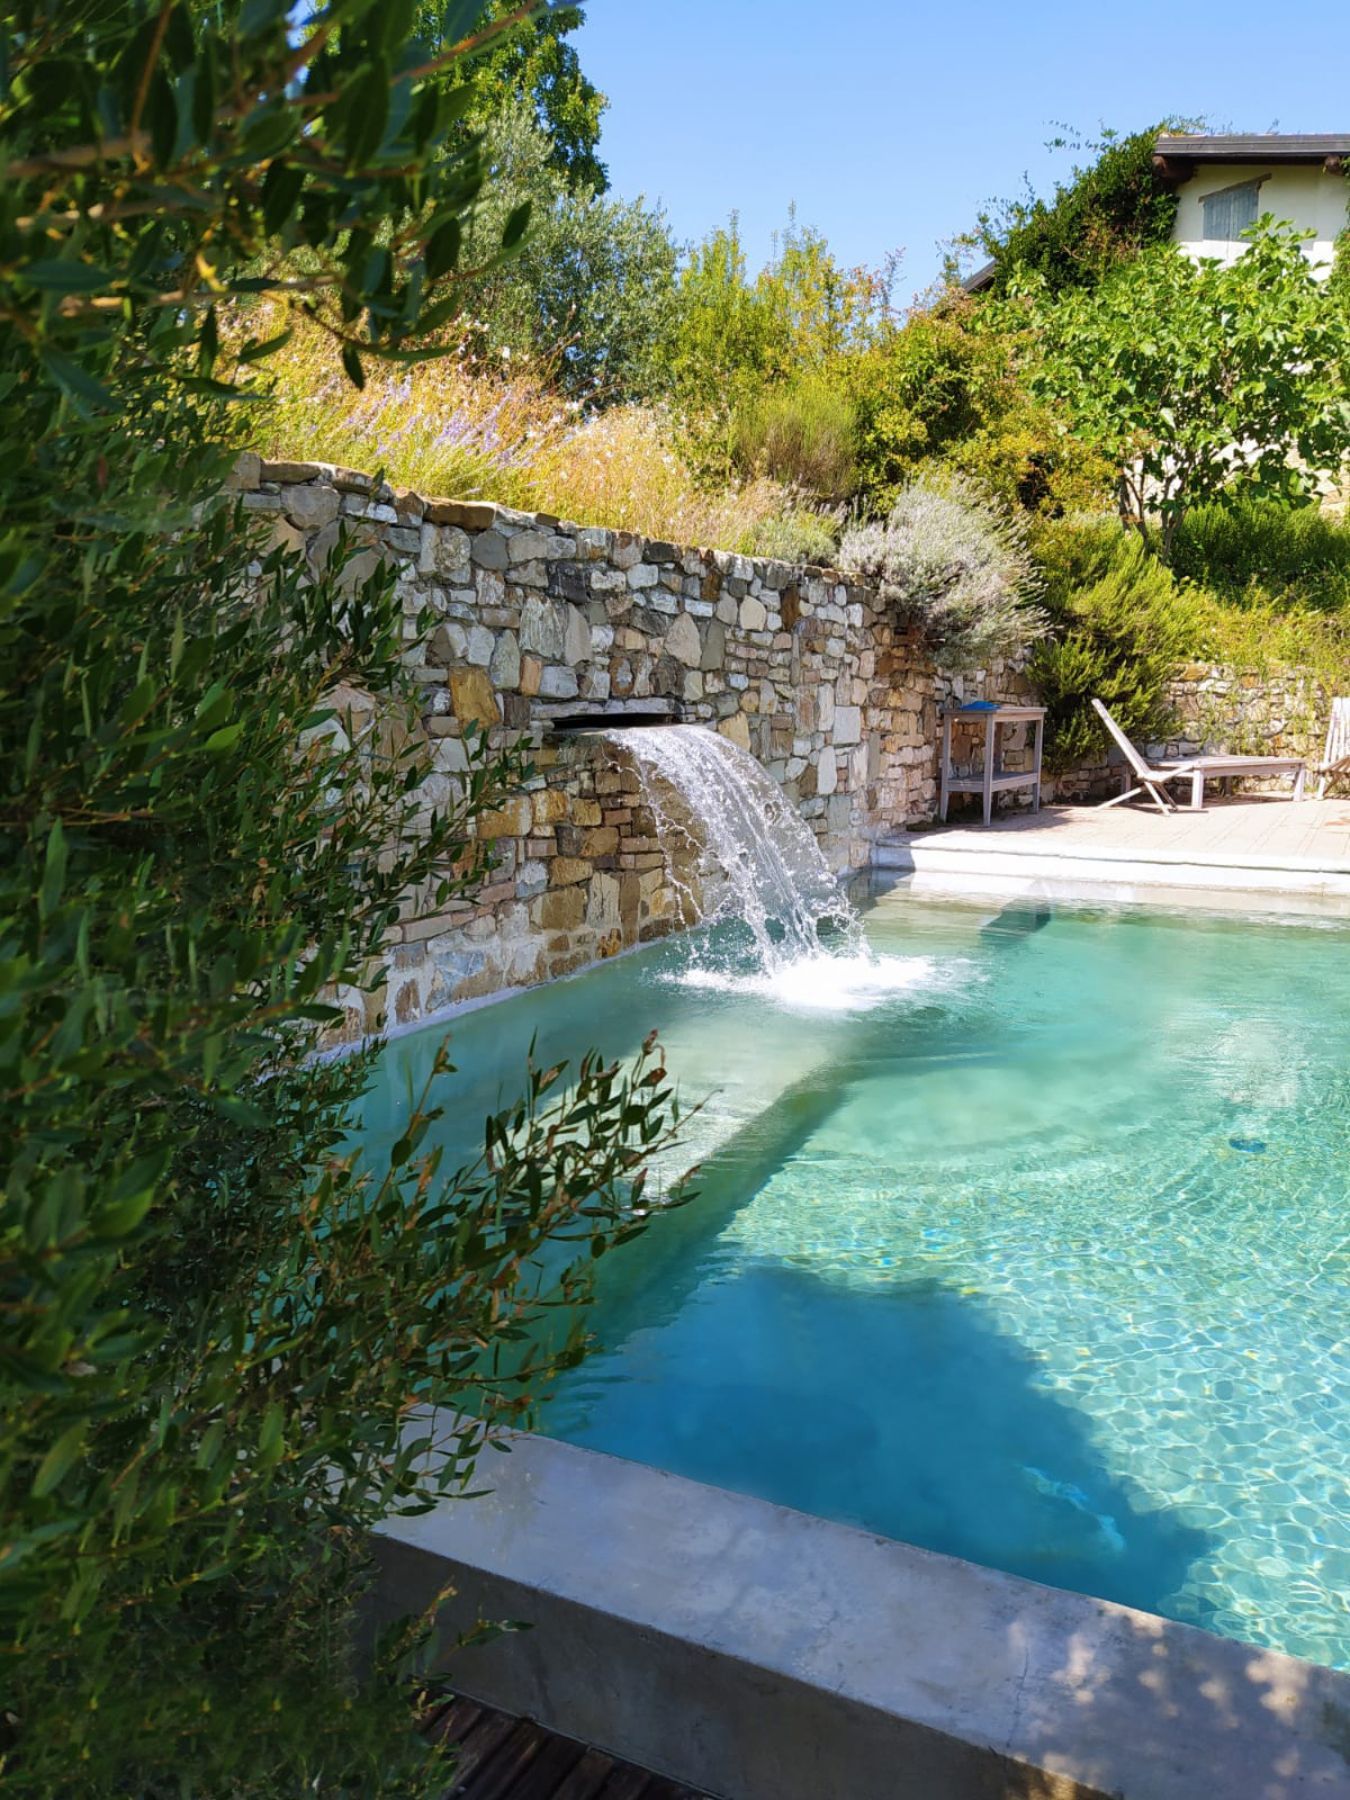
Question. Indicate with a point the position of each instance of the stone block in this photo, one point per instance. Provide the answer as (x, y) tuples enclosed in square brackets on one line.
[(449, 643), (504, 666), (714, 644), (531, 672), (472, 697), (551, 806), (600, 840), (511, 819), (576, 637), (557, 682), (602, 906), (357, 569), (682, 642), (311, 507), (246, 473), (737, 729), (566, 871), (488, 550), (847, 724), (542, 628)]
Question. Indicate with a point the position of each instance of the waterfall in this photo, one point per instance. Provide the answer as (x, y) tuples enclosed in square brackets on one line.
[(735, 845)]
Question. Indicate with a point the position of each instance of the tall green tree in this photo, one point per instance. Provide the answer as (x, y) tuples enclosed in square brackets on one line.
[(592, 290), (534, 63), (1202, 381), (220, 1324)]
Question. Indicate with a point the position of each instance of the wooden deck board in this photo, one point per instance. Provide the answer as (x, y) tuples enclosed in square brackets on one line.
[(502, 1758)]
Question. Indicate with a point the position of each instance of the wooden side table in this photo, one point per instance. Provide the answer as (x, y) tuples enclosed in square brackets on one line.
[(989, 781)]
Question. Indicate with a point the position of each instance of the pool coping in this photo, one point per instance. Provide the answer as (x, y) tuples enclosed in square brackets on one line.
[(763, 1653), (1001, 858)]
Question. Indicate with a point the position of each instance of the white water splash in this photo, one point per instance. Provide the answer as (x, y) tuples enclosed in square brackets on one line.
[(750, 854), (737, 849), (824, 983)]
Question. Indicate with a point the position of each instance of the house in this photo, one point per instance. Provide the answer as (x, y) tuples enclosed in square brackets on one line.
[(1226, 183)]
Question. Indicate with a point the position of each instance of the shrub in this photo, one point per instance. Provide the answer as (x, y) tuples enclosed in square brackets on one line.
[(1119, 625), (626, 470), (801, 433), (1260, 551), (953, 564), (454, 424), (949, 386), (219, 1327), (798, 535), (591, 292)]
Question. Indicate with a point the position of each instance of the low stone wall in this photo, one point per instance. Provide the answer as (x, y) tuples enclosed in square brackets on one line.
[(535, 618)]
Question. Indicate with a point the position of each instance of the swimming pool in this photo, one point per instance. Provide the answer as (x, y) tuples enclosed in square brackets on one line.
[(1025, 1240)]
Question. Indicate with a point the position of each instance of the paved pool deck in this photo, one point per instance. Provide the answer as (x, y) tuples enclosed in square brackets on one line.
[(1247, 845)]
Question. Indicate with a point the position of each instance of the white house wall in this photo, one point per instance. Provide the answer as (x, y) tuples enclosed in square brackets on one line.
[(1303, 193)]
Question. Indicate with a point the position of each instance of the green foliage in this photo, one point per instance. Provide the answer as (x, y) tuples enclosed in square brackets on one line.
[(1105, 214), (798, 535), (800, 432), (592, 291), (1201, 382), (221, 1325), (734, 335), (1119, 625), (949, 387), (1264, 551), (532, 65), (952, 565)]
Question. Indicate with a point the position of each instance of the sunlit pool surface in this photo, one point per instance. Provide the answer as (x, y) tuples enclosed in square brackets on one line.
[(1027, 1241)]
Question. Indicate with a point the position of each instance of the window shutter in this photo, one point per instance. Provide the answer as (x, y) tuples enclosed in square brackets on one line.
[(1228, 214)]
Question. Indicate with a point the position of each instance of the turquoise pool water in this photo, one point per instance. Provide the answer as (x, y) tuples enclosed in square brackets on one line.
[(1027, 1242)]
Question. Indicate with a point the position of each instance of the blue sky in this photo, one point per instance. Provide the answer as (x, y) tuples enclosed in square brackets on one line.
[(890, 125)]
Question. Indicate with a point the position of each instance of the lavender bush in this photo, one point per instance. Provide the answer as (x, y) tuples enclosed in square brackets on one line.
[(950, 561)]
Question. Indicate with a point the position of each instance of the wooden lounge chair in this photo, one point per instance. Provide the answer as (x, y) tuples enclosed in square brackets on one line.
[(1152, 778), (1335, 763)]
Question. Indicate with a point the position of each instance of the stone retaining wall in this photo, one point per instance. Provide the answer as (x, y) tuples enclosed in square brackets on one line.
[(1217, 708), (534, 618)]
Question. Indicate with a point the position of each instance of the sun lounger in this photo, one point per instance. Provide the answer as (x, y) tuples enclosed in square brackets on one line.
[(1152, 779), (1335, 763)]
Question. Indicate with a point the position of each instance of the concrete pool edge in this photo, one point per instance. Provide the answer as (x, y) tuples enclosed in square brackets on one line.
[(763, 1653), (1283, 877)]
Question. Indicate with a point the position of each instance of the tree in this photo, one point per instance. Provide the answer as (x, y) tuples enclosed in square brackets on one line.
[(1202, 381), (534, 66), (593, 287), (220, 1321), (950, 386)]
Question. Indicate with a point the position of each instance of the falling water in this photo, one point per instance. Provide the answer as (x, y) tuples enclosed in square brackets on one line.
[(736, 848), (735, 845)]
